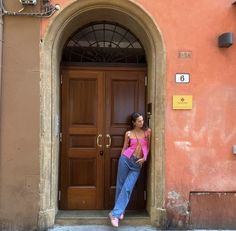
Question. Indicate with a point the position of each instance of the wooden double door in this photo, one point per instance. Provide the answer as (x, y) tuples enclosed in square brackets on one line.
[(96, 105)]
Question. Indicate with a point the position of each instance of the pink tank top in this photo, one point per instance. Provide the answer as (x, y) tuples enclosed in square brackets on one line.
[(132, 147)]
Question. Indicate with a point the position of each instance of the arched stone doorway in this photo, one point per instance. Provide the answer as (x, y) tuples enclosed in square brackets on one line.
[(71, 18), (103, 81)]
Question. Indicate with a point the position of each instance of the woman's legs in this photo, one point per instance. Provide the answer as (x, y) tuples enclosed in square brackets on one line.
[(125, 192)]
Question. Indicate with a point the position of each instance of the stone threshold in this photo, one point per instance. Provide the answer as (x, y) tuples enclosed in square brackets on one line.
[(99, 217)]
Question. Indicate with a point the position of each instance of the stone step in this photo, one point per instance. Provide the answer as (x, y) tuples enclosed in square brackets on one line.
[(99, 217)]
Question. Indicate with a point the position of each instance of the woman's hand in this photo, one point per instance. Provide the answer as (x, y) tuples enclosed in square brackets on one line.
[(140, 161)]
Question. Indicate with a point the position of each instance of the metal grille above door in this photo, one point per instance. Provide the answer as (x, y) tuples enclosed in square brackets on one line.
[(103, 43)]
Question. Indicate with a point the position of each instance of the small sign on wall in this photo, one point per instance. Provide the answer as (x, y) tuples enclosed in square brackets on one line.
[(182, 78), (182, 102)]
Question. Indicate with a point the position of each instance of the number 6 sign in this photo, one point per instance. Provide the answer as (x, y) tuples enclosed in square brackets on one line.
[(182, 78)]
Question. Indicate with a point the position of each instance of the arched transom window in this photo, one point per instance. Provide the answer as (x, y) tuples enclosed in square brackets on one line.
[(103, 43)]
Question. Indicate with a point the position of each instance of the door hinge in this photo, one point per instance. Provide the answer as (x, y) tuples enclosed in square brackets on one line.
[(60, 137), (59, 195), (145, 195), (61, 78), (145, 81)]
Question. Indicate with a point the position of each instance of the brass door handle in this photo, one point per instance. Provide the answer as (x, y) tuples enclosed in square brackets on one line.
[(99, 137), (109, 141)]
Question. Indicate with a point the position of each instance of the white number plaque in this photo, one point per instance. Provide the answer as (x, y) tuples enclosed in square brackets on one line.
[(182, 78)]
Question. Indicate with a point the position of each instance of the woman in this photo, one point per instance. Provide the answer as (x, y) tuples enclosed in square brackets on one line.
[(133, 155)]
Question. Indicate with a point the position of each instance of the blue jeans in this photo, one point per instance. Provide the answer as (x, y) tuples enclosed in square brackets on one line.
[(127, 175)]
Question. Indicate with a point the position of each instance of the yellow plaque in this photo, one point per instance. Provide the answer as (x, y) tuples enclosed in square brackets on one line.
[(182, 102)]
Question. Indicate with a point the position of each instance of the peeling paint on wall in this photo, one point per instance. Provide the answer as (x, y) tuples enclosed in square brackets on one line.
[(184, 145), (177, 210)]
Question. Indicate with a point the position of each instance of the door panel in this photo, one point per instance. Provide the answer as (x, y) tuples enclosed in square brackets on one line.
[(83, 112), (81, 163), (95, 114)]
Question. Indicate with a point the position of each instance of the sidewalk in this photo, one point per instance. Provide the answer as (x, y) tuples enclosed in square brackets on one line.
[(102, 228), (122, 228)]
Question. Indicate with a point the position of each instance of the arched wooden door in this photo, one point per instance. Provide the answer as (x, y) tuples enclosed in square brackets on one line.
[(96, 105)]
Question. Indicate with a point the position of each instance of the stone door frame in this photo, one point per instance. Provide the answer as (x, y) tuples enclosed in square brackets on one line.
[(68, 20)]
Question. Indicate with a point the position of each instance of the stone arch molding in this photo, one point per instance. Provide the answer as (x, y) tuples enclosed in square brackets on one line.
[(68, 20)]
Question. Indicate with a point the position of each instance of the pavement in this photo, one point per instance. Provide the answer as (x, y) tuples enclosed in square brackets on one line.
[(110, 228), (102, 228)]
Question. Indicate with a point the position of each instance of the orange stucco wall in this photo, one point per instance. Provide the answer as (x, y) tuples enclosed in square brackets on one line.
[(199, 141), (198, 151)]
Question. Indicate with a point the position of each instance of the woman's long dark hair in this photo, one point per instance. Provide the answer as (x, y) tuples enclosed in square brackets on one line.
[(133, 118)]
